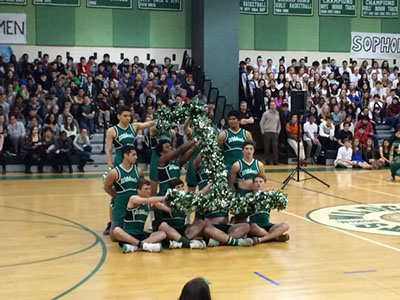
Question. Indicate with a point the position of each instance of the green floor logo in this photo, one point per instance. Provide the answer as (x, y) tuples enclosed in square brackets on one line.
[(379, 218)]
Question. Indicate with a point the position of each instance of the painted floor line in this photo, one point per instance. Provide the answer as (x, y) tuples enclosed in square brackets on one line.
[(374, 191), (345, 232), (359, 271), (266, 278)]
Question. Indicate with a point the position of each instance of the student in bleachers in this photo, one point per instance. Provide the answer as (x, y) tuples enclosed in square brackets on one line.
[(3, 142), (83, 148)]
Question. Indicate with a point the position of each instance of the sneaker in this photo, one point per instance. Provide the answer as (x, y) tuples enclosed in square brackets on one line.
[(107, 230), (196, 244), (152, 247), (174, 245), (129, 248), (213, 243), (390, 179), (256, 240), (283, 238), (247, 242)]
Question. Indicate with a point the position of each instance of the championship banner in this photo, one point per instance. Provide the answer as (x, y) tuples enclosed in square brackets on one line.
[(124, 4), (293, 7), (58, 2), (160, 4), (254, 7), (13, 2), (12, 29), (375, 45)]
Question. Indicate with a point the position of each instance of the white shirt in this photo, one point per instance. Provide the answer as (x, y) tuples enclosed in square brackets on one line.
[(344, 154), (381, 92), (324, 72), (355, 78), (310, 129), (348, 70), (323, 128)]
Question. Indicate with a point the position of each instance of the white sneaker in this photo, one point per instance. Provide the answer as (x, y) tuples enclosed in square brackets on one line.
[(247, 242), (213, 243), (196, 244), (152, 247), (174, 245), (390, 179), (129, 248)]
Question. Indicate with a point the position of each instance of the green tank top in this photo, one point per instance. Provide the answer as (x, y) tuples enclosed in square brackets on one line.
[(247, 170), (135, 218), (233, 146), (125, 187), (127, 179), (161, 136), (166, 174), (124, 136), (174, 219), (201, 176), (260, 218)]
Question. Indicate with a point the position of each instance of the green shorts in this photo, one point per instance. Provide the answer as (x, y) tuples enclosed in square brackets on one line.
[(154, 166), (190, 178)]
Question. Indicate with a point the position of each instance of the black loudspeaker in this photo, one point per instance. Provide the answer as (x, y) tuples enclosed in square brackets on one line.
[(298, 101)]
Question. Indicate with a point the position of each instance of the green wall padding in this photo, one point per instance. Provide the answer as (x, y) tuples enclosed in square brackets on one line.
[(334, 34), (390, 25), (246, 31), (169, 29), (270, 32), (55, 25), (131, 28), (94, 26), (365, 25)]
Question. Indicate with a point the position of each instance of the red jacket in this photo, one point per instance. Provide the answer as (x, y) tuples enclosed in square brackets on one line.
[(363, 138), (393, 110), (369, 130)]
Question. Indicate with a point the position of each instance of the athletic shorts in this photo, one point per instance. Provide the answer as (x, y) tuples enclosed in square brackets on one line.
[(198, 215), (242, 192), (140, 237), (268, 227), (181, 230)]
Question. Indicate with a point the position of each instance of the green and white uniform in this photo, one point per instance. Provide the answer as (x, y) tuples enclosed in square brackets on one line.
[(190, 178), (166, 174), (154, 141), (233, 147), (247, 171), (135, 218), (201, 177), (175, 219), (124, 136), (261, 219), (125, 186)]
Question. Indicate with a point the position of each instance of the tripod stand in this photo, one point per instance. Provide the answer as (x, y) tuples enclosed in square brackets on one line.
[(298, 167)]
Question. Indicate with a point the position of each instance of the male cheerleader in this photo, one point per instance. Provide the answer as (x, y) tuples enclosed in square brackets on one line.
[(260, 227), (120, 184), (132, 236), (232, 139), (245, 169), (124, 133), (173, 224)]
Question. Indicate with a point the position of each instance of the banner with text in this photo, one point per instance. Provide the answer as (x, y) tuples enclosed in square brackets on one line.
[(379, 8), (13, 2), (254, 7), (160, 4), (58, 2), (340, 8), (109, 3), (293, 7), (12, 29), (375, 45)]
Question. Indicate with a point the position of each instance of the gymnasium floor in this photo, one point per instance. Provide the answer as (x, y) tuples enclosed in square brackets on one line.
[(52, 244)]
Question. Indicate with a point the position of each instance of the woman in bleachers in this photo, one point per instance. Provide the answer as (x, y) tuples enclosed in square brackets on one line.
[(3, 142), (384, 153), (31, 149), (82, 148), (357, 155), (51, 122), (70, 126)]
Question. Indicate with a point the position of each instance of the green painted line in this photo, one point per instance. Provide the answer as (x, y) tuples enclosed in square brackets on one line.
[(51, 258), (98, 240)]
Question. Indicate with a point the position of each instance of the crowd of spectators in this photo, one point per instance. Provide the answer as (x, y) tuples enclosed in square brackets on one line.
[(49, 110), (344, 102)]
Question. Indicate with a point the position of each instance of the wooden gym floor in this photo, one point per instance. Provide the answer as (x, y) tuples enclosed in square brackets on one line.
[(52, 246)]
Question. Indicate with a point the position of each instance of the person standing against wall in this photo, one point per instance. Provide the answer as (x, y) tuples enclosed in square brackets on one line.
[(270, 126)]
